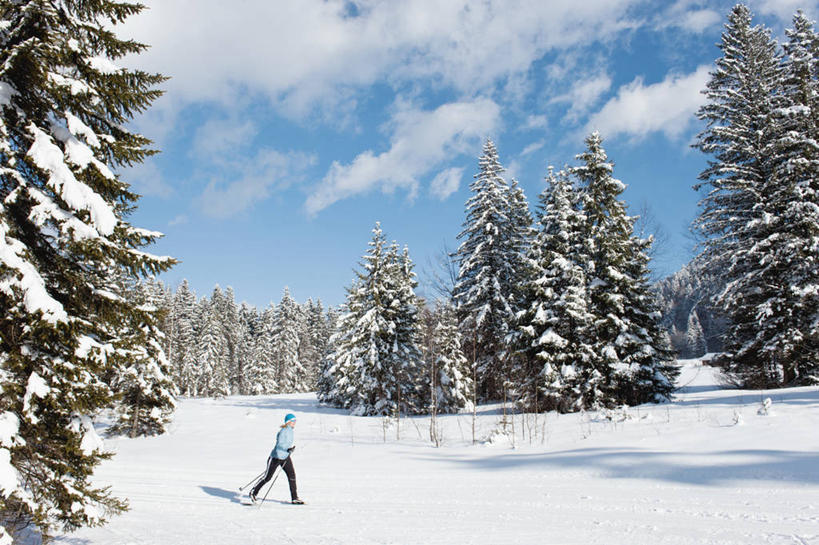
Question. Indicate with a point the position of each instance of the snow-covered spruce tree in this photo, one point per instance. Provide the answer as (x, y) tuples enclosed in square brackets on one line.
[(337, 381), (326, 380), (451, 373), (249, 326), (211, 372), (290, 373), (228, 314), (633, 361), (307, 352), (313, 338), (772, 299), (377, 356), (490, 260), (328, 370), (64, 108), (743, 94), (554, 335), (144, 392), (260, 371), (183, 331), (695, 337), (407, 353)]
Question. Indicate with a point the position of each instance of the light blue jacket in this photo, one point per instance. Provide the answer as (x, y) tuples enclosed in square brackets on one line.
[(284, 440)]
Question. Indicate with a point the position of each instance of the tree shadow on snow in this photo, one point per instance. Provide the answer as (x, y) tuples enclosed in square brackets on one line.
[(297, 403), (700, 468), (790, 396)]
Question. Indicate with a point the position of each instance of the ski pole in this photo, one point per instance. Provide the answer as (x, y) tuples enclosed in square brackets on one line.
[(256, 478), (276, 476)]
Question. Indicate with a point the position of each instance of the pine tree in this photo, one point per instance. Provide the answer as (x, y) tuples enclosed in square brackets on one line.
[(695, 338), (329, 373), (406, 353), (211, 373), (249, 326), (772, 300), (183, 339), (228, 314), (290, 373), (309, 354), (452, 377), (554, 333), (490, 260), (376, 356), (743, 95), (633, 363), (337, 383), (261, 369), (64, 112)]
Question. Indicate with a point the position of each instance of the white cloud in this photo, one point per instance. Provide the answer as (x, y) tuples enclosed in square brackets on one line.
[(536, 122), (181, 219), (785, 9), (584, 95), (446, 182), (667, 106), (218, 138), (690, 15), (533, 147), (252, 181), (313, 54), (700, 20), (421, 141)]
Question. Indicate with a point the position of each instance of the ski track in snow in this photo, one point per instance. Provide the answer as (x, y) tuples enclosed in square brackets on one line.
[(679, 473)]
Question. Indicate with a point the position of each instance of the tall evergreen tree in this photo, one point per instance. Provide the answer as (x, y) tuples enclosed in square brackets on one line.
[(771, 299), (377, 356), (210, 372), (330, 369), (290, 373), (309, 353), (183, 333), (337, 384), (489, 259), (554, 335), (228, 314), (695, 337), (249, 326), (633, 363), (261, 368), (64, 112), (743, 95)]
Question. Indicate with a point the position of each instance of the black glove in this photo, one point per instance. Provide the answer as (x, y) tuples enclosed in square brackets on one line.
[(291, 449)]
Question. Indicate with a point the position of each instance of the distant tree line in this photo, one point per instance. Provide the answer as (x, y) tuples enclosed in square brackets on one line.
[(216, 347), (695, 325)]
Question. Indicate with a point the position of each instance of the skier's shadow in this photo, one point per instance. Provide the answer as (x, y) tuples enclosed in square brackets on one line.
[(231, 495)]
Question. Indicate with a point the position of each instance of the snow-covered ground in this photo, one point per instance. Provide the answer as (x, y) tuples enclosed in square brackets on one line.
[(706, 469)]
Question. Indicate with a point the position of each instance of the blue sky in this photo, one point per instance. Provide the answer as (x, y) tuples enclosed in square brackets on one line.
[(289, 128)]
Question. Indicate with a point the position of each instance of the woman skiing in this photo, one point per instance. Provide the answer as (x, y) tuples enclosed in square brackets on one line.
[(280, 456)]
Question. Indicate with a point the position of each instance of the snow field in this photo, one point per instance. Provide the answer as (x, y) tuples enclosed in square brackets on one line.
[(681, 473)]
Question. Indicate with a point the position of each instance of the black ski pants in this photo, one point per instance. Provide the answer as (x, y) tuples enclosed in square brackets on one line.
[(287, 466)]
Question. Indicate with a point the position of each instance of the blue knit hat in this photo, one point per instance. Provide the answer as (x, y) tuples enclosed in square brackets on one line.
[(289, 417)]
